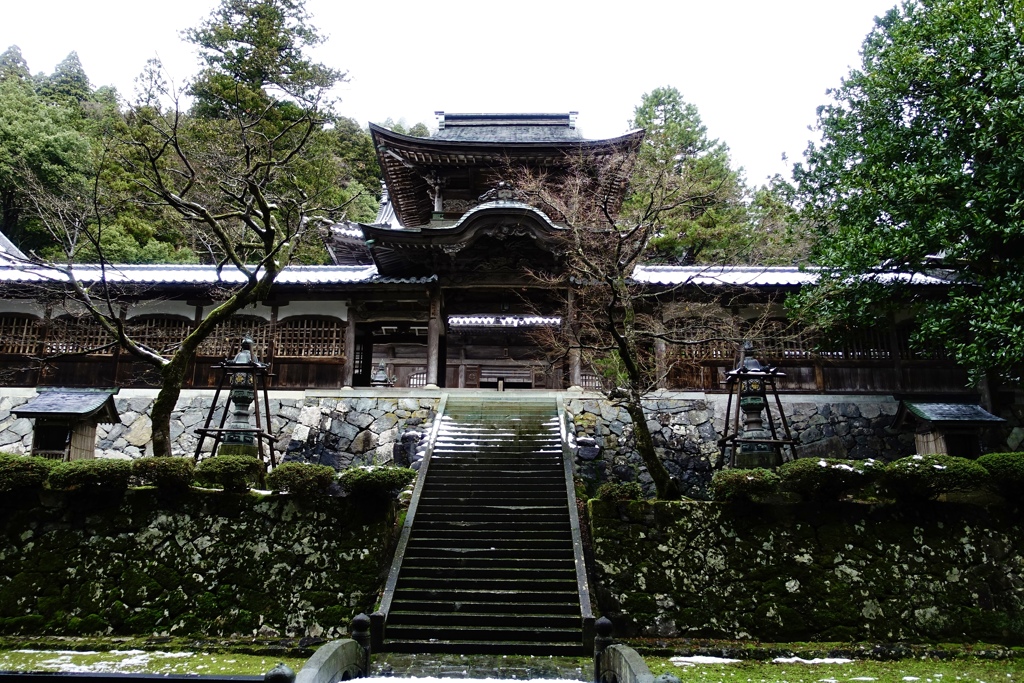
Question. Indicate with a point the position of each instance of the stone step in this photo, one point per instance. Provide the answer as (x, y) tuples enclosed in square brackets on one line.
[(439, 561), (506, 572), (487, 619), (541, 585), (440, 606), (427, 550), (472, 647)]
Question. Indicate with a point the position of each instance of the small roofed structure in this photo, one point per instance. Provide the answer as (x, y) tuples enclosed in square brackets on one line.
[(953, 428), (66, 420)]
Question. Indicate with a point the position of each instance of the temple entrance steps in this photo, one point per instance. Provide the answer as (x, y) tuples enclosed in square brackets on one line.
[(489, 566)]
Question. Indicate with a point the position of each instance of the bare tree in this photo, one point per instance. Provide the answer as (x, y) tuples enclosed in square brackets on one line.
[(616, 324), (240, 178)]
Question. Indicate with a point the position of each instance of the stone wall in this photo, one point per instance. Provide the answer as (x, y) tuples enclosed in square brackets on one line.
[(686, 427), (206, 563), (939, 572), (338, 429)]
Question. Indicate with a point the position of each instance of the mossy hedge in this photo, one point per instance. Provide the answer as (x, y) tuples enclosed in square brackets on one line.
[(198, 563)]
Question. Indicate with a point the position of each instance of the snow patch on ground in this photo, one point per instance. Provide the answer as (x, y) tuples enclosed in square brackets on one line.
[(434, 679), (701, 659), (816, 660)]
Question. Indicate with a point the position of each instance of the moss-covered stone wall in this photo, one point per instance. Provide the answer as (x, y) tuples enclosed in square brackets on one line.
[(205, 563), (686, 427), (795, 572)]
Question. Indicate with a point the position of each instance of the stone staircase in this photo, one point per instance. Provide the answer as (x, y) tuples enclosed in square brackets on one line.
[(489, 566)]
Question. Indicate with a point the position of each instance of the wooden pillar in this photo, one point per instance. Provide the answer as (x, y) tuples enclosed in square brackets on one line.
[(348, 370), (575, 369), (434, 338), (660, 366)]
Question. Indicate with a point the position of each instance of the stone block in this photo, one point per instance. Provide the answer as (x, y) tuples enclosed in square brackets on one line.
[(824, 448), (21, 427), (140, 433), (191, 418), (848, 410), (360, 419), (383, 423), (140, 404), (8, 437), (344, 429), (870, 410), (289, 412), (364, 441), (177, 429), (309, 416)]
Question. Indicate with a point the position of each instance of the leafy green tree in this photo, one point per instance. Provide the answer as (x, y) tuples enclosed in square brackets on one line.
[(36, 140), (254, 51), (775, 233), (419, 130), (920, 166), (13, 65), (68, 84), (705, 210)]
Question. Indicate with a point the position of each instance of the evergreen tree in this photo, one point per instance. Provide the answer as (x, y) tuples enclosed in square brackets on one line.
[(921, 166), (704, 210)]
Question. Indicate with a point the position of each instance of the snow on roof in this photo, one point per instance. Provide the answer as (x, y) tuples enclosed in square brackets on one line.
[(171, 274), (750, 276), (757, 276), (501, 320)]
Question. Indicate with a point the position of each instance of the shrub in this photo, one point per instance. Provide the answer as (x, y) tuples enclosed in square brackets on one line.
[(91, 474), (172, 474), (620, 492), (927, 476), (737, 485), (23, 472), (376, 482), (233, 473), (1006, 471), (821, 479), (302, 479)]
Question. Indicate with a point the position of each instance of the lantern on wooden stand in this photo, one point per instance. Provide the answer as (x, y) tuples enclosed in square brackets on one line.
[(754, 445), (246, 379)]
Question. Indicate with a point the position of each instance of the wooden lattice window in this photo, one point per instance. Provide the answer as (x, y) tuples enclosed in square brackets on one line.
[(310, 337), (780, 340), (20, 334), (418, 379), (83, 335), (711, 339), (159, 332), (226, 339), (863, 345)]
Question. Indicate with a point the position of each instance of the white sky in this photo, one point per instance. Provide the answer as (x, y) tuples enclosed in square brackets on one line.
[(756, 69)]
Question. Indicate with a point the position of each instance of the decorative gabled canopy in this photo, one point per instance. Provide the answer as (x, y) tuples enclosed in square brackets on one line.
[(524, 232), (469, 154), (929, 414), (72, 405)]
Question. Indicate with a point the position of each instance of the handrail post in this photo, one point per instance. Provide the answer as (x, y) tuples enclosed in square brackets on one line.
[(360, 631), (602, 640), (281, 673)]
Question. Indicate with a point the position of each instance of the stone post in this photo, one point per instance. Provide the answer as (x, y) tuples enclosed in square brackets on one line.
[(602, 640), (360, 631)]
